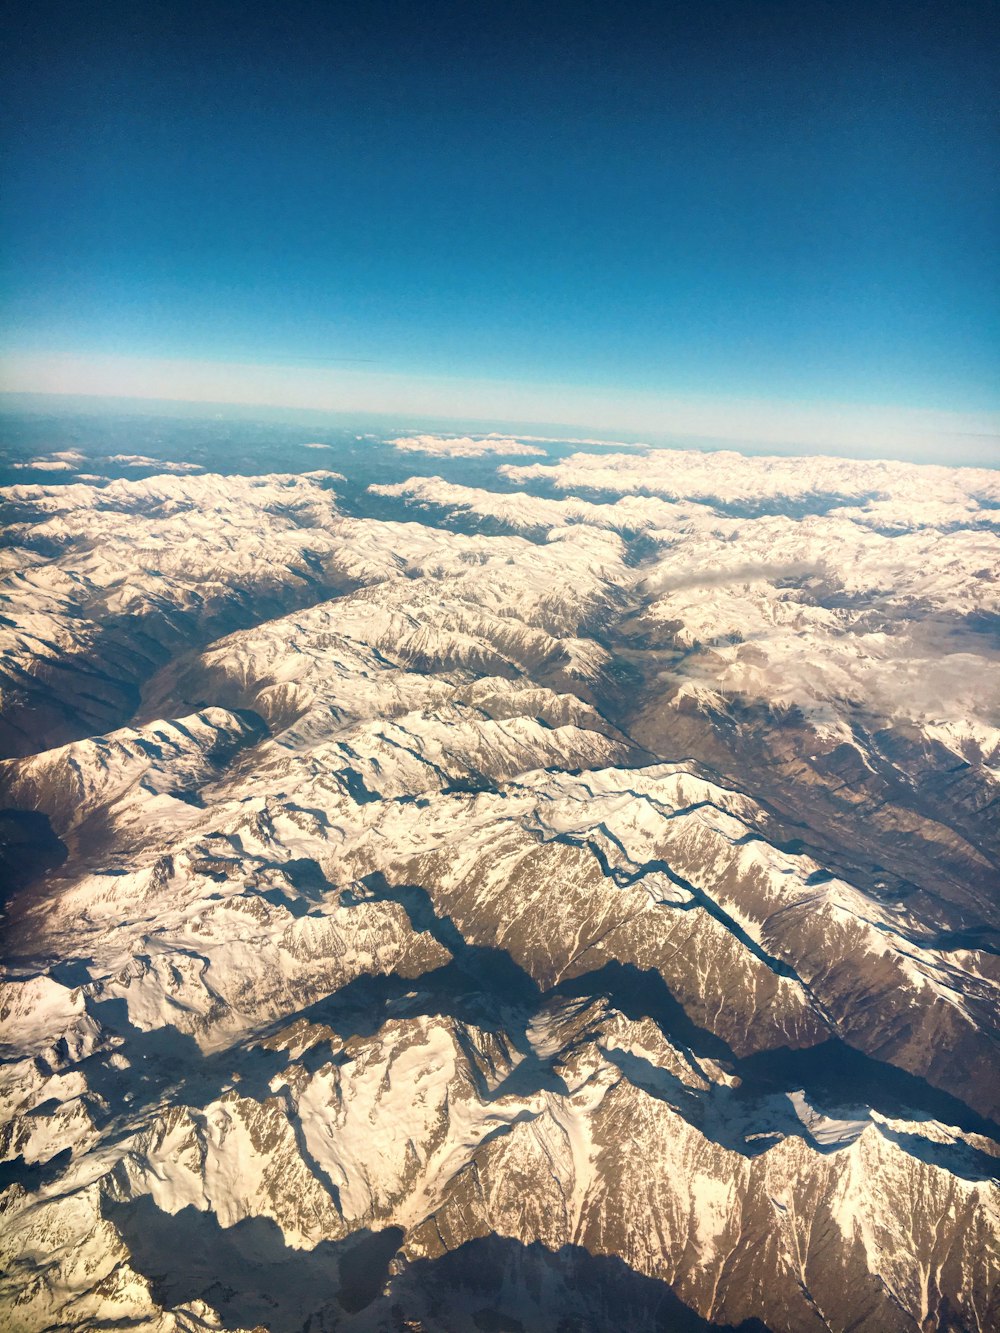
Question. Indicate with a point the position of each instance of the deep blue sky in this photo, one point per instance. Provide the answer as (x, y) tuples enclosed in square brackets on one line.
[(773, 200)]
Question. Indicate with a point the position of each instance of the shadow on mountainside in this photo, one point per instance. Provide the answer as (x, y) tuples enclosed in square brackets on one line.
[(641, 993), (28, 848), (495, 1284), (835, 1074), (492, 1284), (246, 1272)]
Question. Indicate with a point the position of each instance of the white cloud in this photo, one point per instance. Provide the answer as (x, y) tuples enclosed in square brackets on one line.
[(465, 446), (141, 460), (45, 465)]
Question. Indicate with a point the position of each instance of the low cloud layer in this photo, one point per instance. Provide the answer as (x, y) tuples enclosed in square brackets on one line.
[(465, 446)]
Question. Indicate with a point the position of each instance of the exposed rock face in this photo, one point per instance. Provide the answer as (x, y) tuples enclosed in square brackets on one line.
[(577, 907)]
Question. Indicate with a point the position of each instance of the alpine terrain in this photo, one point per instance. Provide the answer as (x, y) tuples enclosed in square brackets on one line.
[(520, 886)]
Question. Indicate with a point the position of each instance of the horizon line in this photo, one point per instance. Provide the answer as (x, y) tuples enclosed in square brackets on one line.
[(915, 434)]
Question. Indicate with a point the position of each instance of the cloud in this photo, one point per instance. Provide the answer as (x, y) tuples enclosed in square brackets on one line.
[(589, 440), (661, 584), (45, 465), (141, 460), (465, 446)]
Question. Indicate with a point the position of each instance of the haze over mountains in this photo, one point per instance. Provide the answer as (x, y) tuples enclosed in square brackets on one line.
[(475, 883)]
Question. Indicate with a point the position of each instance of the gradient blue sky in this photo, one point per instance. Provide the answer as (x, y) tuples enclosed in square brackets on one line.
[(768, 202)]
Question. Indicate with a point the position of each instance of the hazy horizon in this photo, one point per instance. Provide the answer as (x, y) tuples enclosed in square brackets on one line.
[(783, 429)]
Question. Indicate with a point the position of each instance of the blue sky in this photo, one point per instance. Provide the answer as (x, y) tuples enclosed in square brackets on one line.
[(721, 203)]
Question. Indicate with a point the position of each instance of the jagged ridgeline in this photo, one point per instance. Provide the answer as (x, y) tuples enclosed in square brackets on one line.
[(554, 895)]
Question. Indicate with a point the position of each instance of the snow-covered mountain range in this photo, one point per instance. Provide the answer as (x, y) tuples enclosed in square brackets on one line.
[(571, 904)]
